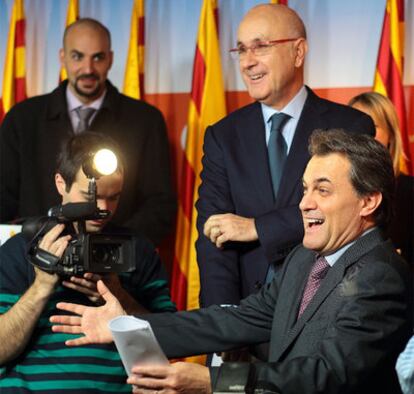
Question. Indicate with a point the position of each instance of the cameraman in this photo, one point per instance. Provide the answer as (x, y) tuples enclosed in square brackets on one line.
[(34, 358)]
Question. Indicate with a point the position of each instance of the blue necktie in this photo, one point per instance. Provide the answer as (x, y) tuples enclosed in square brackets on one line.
[(277, 150)]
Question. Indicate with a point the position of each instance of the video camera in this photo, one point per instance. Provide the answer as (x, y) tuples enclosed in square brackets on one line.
[(86, 252)]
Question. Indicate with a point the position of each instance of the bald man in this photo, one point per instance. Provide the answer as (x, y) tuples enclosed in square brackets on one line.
[(34, 130), (248, 210)]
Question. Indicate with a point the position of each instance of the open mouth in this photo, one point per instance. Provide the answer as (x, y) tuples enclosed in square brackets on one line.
[(256, 77), (314, 223)]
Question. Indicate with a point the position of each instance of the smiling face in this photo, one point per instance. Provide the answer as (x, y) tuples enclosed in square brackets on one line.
[(87, 58), (108, 190), (333, 214), (274, 78)]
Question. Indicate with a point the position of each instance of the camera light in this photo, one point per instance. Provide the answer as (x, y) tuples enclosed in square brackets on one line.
[(105, 162)]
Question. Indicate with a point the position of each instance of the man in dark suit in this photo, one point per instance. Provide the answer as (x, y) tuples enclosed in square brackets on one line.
[(33, 131), (247, 227), (338, 313)]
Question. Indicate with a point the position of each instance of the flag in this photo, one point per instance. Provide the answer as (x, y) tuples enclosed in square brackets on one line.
[(388, 78), (134, 70), (207, 106), (71, 16), (14, 77), (284, 2)]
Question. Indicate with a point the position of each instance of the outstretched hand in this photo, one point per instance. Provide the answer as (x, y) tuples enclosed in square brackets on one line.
[(88, 320)]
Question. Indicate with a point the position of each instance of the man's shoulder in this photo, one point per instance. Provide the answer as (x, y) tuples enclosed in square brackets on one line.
[(32, 104), (339, 115), (134, 107), (239, 115), (15, 244)]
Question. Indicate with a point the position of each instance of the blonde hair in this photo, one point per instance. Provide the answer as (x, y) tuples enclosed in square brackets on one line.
[(383, 110)]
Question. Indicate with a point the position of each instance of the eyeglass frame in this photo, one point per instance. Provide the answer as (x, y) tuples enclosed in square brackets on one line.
[(235, 52)]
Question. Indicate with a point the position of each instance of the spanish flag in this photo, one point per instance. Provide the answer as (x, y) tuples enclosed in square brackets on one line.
[(71, 16), (14, 78), (389, 73), (134, 70), (207, 106)]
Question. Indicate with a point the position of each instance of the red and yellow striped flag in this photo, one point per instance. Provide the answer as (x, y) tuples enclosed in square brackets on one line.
[(71, 16), (389, 73), (134, 69), (207, 106), (285, 2), (14, 77)]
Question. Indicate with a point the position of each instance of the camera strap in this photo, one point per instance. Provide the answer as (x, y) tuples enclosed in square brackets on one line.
[(44, 260)]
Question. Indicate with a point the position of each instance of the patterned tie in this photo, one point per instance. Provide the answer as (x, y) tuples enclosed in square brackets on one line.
[(277, 149), (318, 272), (84, 115)]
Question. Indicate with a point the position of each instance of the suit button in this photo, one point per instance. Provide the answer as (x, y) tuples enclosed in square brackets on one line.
[(258, 285)]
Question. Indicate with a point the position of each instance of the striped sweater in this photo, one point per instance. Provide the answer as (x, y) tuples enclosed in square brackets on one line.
[(48, 365)]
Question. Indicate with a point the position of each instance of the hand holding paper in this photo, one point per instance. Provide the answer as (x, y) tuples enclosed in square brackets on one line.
[(136, 342), (91, 321)]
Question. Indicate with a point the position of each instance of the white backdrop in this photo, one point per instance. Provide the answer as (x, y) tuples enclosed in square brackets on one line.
[(343, 35)]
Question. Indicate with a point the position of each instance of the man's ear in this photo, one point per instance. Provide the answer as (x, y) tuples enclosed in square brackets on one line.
[(370, 203), (62, 57), (60, 184), (301, 48)]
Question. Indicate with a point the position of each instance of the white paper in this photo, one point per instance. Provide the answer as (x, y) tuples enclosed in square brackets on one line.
[(136, 342)]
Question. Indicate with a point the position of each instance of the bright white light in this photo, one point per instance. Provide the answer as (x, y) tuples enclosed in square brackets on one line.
[(105, 162)]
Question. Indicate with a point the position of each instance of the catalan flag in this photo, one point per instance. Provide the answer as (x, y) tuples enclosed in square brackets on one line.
[(389, 73), (14, 78), (207, 106), (284, 2), (134, 71), (71, 16)]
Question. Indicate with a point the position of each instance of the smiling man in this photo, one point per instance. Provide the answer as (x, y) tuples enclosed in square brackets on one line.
[(33, 131), (248, 210), (34, 360), (336, 317)]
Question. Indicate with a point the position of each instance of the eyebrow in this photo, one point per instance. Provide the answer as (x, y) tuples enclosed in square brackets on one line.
[(318, 180), (101, 53), (254, 40)]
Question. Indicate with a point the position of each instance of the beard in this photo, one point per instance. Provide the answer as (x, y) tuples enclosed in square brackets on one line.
[(88, 94)]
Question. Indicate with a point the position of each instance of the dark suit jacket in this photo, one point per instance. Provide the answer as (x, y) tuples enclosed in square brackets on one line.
[(402, 226), (31, 135), (236, 179), (346, 341)]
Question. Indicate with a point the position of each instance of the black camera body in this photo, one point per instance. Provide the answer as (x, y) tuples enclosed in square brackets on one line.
[(86, 252)]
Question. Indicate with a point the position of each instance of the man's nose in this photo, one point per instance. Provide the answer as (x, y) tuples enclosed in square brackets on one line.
[(102, 204), (248, 59), (307, 203), (88, 65)]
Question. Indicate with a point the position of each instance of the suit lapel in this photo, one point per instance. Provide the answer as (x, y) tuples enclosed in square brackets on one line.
[(248, 128), (298, 153), (335, 275), (291, 290)]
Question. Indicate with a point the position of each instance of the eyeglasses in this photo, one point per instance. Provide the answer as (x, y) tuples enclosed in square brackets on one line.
[(259, 48)]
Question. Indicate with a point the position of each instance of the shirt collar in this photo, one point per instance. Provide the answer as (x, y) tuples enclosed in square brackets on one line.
[(293, 108), (334, 257)]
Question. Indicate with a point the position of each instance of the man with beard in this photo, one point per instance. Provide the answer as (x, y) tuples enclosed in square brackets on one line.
[(33, 131)]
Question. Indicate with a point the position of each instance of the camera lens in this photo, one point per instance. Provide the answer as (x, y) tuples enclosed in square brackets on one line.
[(106, 254)]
